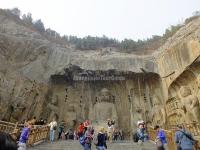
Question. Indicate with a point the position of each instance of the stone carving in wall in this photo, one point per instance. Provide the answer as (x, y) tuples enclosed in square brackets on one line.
[(175, 115), (53, 107), (158, 112), (17, 110), (71, 115), (104, 108), (190, 104), (136, 107)]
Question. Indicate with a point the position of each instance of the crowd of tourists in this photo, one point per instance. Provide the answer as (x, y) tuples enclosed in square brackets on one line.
[(87, 135)]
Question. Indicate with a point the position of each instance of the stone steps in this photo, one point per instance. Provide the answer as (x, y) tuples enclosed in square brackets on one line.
[(74, 145)]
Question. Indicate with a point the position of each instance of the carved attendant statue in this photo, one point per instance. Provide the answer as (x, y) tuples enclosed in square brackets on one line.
[(17, 110), (53, 107), (190, 104), (158, 113)]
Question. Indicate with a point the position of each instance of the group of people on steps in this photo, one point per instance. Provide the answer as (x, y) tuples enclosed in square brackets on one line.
[(183, 139)]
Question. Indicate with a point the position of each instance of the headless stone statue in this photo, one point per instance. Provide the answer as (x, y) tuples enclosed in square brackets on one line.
[(104, 108), (158, 113), (190, 104), (71, 115), (53, 107)]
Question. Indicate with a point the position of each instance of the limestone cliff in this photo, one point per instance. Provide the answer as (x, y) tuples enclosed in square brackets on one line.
[(36, 77)]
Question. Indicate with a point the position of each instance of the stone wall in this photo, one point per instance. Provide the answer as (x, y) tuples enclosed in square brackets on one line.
[(20, 98), (176, 104), (133, 99)]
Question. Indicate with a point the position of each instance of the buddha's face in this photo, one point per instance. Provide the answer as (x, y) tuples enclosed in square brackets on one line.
[(104, 95)]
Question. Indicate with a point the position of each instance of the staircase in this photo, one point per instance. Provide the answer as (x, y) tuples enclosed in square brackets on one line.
[(74, 145)]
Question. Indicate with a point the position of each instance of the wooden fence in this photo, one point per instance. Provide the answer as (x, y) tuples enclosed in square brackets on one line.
[(170, 135), (8, 127), (37, 133)]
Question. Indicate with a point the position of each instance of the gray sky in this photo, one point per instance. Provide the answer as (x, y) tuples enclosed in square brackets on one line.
[(136, 19)]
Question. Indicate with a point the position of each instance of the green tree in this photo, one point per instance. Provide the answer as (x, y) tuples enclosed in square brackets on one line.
[(39, 26), (27, 19)]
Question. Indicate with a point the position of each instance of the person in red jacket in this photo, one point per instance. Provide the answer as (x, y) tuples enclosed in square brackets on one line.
[(81, 130)]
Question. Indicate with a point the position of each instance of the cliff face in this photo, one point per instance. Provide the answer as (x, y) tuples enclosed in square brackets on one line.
[(36, 76)]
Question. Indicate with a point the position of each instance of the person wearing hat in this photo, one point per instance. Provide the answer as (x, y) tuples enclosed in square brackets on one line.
[(141, 131), (101, 139)]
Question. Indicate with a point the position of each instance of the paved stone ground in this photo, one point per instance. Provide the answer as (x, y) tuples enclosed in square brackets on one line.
[(74, 145)]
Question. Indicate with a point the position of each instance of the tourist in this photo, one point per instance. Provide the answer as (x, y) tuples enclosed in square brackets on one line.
[(140, 135), (110, 130), (40, 122), (183, 139), (71, 134), (109, 123), (160, 140), (121, 134), (115, 135), (106, 134), (45, 122), (53, 126), (33, 121), (113, 122), (101, 140), (61, 129), (75, 135), (81, 133), (141, 131), (7, 142), (88, 138), (81, 130), (24, 136)]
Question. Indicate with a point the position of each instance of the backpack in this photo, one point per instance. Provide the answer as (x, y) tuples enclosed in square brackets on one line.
[(82, 140), (135, 137), (194, 142)]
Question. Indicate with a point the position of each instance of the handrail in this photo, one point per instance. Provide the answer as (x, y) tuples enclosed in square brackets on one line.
[(8, 127), (170, 137), (37, 133)]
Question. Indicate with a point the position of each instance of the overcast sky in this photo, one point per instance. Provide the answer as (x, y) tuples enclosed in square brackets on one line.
[(136, 19)]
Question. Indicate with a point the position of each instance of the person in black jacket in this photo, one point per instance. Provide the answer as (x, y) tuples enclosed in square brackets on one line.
[(101, 140), (7, 142)]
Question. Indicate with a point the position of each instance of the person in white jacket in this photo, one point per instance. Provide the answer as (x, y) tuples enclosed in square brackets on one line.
[(53, 126)]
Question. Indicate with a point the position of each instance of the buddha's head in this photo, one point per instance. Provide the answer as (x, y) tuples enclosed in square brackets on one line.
[(105, 96)]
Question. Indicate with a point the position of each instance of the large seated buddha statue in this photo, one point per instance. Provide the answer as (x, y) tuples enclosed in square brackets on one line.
[(104, 108)]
